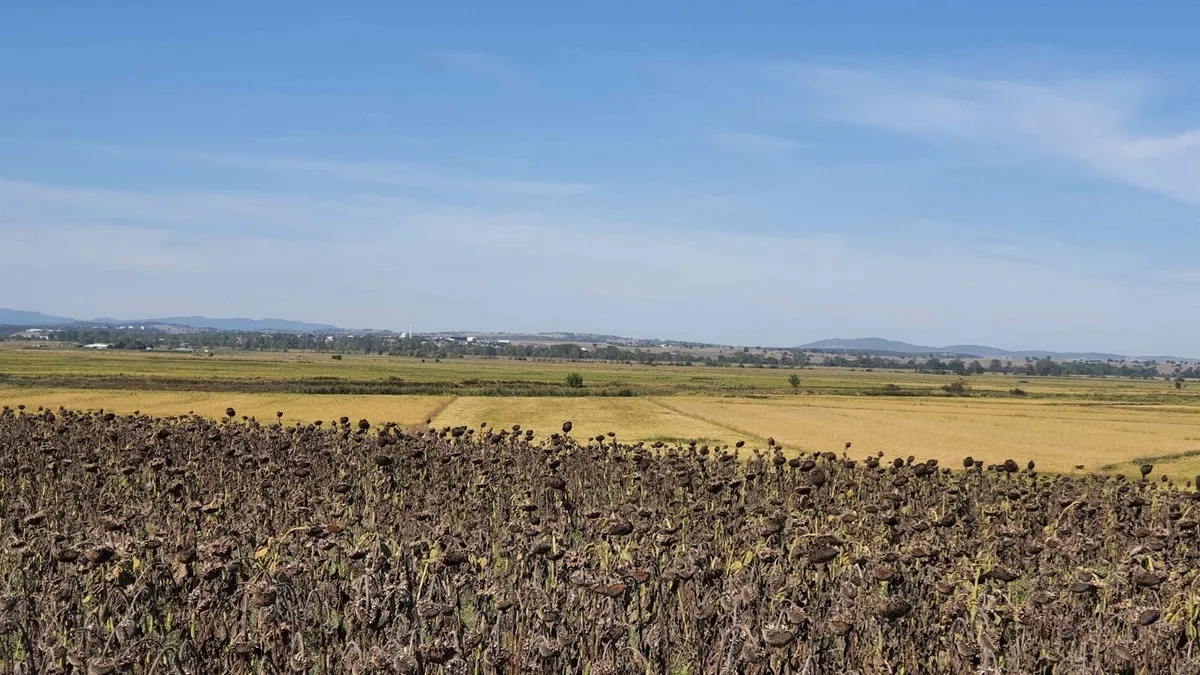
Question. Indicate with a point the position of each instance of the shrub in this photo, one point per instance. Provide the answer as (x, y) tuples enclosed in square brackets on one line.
[(794, 380), (956, 388), (1018, 392), (574, 380), (336, 357)]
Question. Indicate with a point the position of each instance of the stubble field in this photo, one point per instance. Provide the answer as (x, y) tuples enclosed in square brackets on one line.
[(1103, 424)]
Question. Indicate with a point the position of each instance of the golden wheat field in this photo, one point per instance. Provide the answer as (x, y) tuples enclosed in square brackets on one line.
[(632, 419), (1057, 434), (408, 410)]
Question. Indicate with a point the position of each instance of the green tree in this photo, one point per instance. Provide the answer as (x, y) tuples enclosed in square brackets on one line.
[(574, 380), (1047, 366), (794, 380)]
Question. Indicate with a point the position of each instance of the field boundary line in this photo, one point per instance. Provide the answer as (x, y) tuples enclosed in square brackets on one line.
[(1168, 458), (437, 410), (706, 420)]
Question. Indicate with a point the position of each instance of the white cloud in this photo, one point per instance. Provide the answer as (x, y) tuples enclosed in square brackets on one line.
[(1093, 123), (43, 205), (757, 144), (382, 262), (478, 63), (402, 174), (1190, 277), (399, 174)]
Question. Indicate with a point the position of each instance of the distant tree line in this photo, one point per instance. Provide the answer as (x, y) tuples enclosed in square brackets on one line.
[(157, 339), (420, 347), (1040, 367), (392, 345)]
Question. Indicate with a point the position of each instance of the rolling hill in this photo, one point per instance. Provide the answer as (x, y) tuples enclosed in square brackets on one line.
[(874, 344), (16, 317)]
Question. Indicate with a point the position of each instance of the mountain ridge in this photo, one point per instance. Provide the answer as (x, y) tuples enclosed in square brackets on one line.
[(20, 317), (16, 317), (876, 344), (234, 323)]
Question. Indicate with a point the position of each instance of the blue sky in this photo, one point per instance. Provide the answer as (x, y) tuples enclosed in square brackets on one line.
[(1004, 173)]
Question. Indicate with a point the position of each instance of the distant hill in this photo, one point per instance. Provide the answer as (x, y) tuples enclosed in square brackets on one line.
[(871, 345), (235, 324), (17, 317), (977, 351)]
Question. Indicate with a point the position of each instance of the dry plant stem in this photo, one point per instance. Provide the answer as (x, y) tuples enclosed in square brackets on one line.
[(181, 544)]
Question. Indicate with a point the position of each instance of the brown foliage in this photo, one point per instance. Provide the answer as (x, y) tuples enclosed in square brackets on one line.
[(135, 544)]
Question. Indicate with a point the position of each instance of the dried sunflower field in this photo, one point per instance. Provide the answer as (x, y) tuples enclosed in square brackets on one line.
[(186, 545)]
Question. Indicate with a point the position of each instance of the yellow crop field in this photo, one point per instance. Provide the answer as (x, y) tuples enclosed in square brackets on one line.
[(632, 419), (409, 410), (1106, 424), (1057, 435), (300, 372)]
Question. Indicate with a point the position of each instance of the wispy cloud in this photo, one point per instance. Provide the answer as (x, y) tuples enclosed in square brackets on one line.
[(1094, 123), (133, 252), (401, 174), (477, 63), (32, 204), (373, 116), (762, 145), (1190, 277)]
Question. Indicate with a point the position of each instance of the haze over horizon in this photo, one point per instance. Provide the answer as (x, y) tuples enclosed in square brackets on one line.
[(1020, 175), (10, 317)]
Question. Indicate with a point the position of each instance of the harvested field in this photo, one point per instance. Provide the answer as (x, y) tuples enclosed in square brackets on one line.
[(632, 419), (405, 410), (1059, 435)]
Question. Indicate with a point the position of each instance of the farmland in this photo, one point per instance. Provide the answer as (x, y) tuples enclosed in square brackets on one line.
[(137, 544), (300, 372), (1104, 424), (261, 512)]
